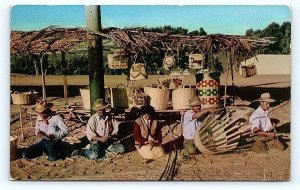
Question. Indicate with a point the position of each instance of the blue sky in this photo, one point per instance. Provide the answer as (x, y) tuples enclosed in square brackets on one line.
[(214, 19)]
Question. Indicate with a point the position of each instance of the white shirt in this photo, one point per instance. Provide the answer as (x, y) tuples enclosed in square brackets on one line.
[(98, 126), (56, 126), (260, 120), (190, 125)]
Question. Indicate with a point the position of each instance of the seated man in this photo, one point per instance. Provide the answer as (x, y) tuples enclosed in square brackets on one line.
[(51, 129), (260, 122), (191, 121), (147, 135), (99, 130)]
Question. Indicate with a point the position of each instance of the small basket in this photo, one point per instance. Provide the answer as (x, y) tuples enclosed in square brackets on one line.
[(24, 98), (117, 61)]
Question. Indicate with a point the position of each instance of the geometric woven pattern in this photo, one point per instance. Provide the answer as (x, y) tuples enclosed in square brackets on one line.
[(210, 101), (208, 83), (208, 92)]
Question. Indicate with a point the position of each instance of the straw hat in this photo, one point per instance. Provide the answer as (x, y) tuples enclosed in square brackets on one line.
[(98, 105), (194, 101), (266, 97), (42, 106)]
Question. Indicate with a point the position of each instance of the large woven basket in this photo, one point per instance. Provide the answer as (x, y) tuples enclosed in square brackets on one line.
[(119, 97), (24, 98), (85, 95), (221, 131), (181, 97), (158, 95), (13, 147)]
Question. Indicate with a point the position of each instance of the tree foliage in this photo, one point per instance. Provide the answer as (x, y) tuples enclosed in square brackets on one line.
[(281, 34)]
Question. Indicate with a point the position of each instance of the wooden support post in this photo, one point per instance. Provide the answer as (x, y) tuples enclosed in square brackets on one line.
[(43, 76), (64, 65), (232, 58), (95, 54), (65, 88), (21, 123)]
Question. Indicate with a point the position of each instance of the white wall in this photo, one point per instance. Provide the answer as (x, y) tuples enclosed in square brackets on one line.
[(271, 64)]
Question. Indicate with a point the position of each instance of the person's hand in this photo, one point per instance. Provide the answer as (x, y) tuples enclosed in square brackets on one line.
[(211, 110), (50, 137), (41, 134), (150, 143), (272, 135), (105, 139)]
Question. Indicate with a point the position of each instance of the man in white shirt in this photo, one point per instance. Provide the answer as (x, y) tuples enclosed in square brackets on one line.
[(51, 128), (191, 121), (260, 122), (99, 132)]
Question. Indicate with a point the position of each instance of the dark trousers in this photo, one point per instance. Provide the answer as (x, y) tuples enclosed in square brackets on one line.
[(49, 147), (97, 150)]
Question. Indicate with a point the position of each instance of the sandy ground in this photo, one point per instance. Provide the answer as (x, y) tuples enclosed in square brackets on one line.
[(239, 165)]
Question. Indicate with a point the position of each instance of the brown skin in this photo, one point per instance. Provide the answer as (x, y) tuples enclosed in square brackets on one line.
[(99, 138), (199, 112), (265, 106)]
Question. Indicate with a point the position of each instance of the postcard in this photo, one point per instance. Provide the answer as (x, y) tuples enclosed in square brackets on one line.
[(150, 92)]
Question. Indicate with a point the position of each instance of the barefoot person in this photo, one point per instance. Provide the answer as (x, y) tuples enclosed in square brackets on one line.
[(260, 122), (51, 128), (191, 121), (99, 132), (147, 135)]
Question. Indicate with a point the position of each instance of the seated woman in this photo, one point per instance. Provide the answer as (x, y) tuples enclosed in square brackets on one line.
[(147, 135)]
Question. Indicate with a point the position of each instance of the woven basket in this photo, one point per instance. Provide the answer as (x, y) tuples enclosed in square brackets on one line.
[(24, 98), (138, 72), (196, 61), (158, 95), (13, 147), (117, 61), (119, 98), (181, 97), (221, 131), (85, 95)]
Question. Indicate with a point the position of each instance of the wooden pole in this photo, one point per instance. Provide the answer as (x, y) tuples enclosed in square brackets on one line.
[(21, 123), (225, 93), (64, 66), (43, 76), (95, 54), (231, 69)]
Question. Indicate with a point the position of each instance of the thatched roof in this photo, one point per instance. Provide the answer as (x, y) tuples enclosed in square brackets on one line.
[(132, 41), (50, 39)]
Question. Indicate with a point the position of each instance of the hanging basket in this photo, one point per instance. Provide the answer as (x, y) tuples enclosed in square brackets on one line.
[(249, 71), (138, 72), (117, 61), (24, 98), (169, 60), (119, 98), (196, 61), (181, 97), (158, 96)]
